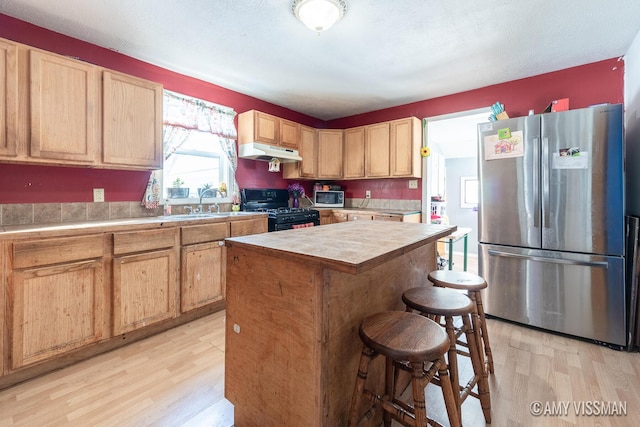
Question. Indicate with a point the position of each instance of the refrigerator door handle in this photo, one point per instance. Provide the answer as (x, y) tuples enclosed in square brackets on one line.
[(536, 189), (601, 264), (545, 181)]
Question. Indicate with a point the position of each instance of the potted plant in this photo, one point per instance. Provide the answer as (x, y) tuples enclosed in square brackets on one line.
[(235, 202), (176, 191), (204, 188)]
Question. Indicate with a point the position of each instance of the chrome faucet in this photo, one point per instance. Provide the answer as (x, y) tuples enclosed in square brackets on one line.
[(210, 191)]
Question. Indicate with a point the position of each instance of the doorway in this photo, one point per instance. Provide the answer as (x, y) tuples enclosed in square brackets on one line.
[(450, 184)]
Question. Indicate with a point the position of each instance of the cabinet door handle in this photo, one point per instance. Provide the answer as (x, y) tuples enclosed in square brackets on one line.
[(221, 243)]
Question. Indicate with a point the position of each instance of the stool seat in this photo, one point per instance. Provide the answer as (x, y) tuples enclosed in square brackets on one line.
[(457, 280), (404, 336), (437, 301), (409, 343)]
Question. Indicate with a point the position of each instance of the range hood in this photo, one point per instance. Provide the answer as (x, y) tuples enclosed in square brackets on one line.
[(264, 152)]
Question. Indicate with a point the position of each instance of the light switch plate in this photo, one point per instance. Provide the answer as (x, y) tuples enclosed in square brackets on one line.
[(98, 194), (413, 183)]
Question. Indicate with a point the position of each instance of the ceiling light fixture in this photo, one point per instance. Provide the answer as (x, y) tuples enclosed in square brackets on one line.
[(319, 15)]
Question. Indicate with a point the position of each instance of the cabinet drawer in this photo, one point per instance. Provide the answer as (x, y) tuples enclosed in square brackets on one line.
[(387, 217), (250, 226), (204, 233), (54, 251), (139, 241), (359, 217)]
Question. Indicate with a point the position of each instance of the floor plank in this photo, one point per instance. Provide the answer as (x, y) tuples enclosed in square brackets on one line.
[(176, 378)]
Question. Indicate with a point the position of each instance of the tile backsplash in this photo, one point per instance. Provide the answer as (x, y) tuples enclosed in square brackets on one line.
[(53, 213), (401, 205), (42, 213)]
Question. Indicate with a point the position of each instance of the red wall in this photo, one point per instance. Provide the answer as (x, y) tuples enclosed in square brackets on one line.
[(584, 85)]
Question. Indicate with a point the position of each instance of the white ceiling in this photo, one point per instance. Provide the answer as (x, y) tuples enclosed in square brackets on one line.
[(382, 53)]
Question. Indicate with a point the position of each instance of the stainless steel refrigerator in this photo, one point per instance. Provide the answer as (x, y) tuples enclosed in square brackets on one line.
[(551, 224)]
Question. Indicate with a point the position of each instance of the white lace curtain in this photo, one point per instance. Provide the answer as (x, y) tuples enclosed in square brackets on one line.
[(182, 115)]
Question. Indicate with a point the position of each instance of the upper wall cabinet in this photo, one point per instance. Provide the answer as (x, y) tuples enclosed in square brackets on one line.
[(8, 98), (330, 153), (132, 124), (308, 150), (383, 150), (255, 126), (377, 151), (58, 110), (405, 138), (354, 152), (65, 109)]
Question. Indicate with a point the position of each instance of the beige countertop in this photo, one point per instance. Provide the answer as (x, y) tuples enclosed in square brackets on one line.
[(352, 247), (112, 225)]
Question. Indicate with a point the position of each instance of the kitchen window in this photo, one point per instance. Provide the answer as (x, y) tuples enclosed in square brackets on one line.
[(199, 151)]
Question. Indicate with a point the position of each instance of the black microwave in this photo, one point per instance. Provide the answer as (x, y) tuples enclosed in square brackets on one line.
[(328, 199)]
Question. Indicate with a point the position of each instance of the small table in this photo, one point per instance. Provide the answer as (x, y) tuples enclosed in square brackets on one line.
[(460, 233)]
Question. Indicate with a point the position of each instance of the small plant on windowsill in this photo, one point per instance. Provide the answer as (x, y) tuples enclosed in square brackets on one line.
[(205, 187), (176, 191)]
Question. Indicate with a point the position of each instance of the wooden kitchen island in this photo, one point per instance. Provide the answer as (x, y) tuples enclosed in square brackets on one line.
[(295, 300)]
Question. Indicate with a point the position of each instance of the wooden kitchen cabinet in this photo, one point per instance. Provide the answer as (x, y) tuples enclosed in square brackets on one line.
[(308, 150), (405, 137), (340, 216), (8, 98), (202, 265), (359, 217), (65, 112), (132, 132), (57, 297), (330, 153), (387, 217), (289, 133), (326, 217), (377, 151), (249, 226), (145, 278), (256, 126), (354, 152)]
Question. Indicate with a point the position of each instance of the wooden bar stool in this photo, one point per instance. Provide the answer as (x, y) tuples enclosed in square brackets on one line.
[(447, 303), (407, 341), (473, 284)]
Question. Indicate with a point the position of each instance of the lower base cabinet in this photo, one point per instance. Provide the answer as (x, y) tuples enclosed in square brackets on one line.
[(144, 290), (202, 275), (55, 310), (145, 278), (68, 298), (56, 298)]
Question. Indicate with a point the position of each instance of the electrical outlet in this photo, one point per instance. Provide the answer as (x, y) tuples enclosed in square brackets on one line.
[(413, 183), (367, 194), (98, 194)]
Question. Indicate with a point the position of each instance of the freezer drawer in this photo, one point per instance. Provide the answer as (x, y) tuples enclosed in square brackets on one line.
[(576, 294)]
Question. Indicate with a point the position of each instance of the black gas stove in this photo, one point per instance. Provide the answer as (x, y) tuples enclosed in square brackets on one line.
[(275, 202)]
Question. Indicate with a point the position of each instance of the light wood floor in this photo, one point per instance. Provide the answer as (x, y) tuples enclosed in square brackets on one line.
[(176, 379)]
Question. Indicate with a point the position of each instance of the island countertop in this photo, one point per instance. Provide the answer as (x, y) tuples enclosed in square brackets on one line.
[(353, 247)]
